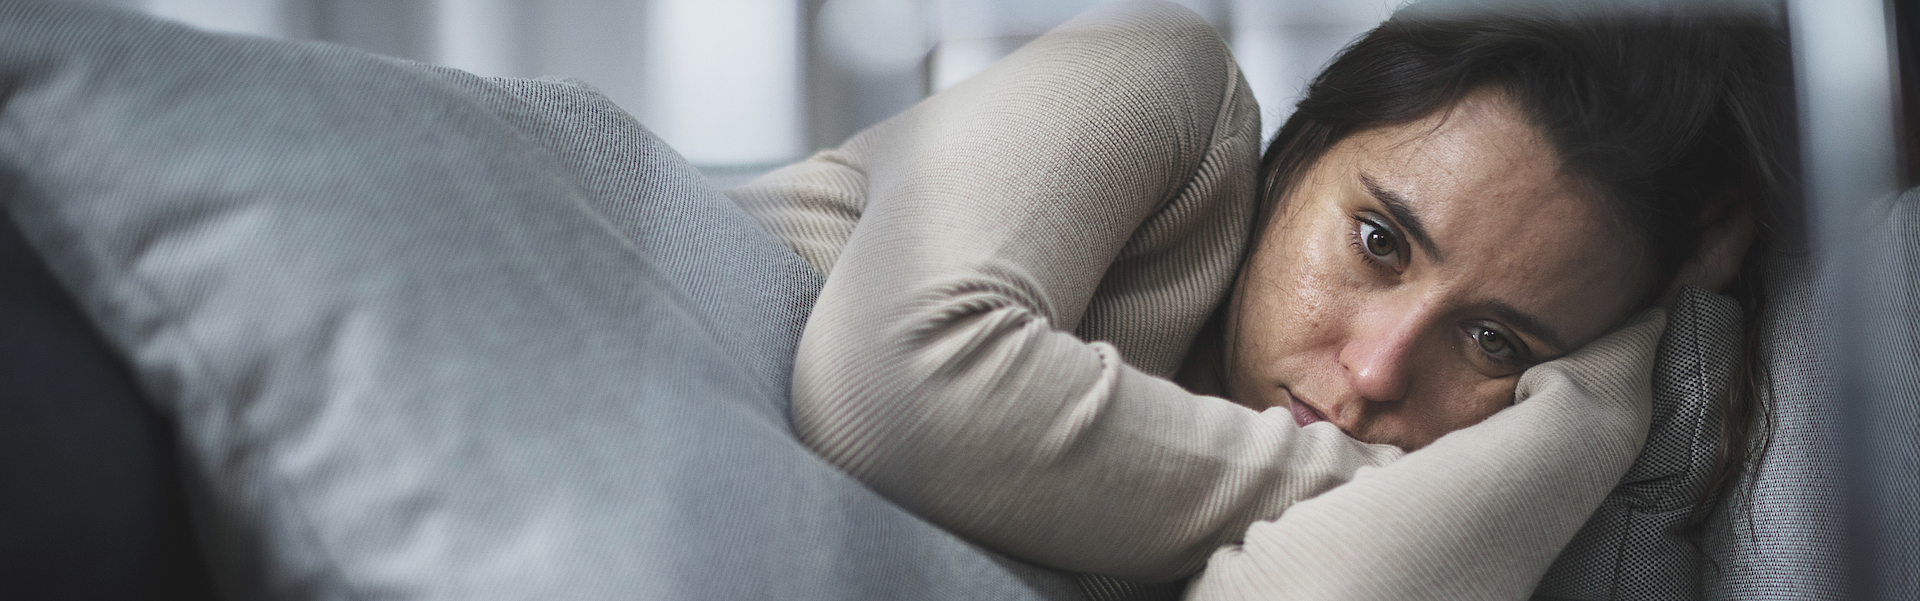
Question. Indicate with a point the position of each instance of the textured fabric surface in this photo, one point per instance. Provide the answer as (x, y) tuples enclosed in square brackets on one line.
[(1101, 175), (430, 336), (1781, 534), (1832, 508), (1885, 438), (1634, 547)]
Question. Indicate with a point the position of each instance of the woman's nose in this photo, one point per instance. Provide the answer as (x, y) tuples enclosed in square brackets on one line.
[(1377, 355)]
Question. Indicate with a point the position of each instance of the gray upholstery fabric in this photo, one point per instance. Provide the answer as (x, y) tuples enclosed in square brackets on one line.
[(1785, 533), (1781, 535), (1635, 546), (430, 336), (1833, 507), (1884, 432)]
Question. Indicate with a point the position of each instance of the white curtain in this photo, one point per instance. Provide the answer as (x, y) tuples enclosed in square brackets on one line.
[(747, 84)]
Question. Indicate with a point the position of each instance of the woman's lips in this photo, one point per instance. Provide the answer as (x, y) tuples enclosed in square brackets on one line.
[(1303, 413)]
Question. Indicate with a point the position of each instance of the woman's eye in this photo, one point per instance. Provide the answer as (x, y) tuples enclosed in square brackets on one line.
[(1501, 353), (1377, 241), (1492, 341)]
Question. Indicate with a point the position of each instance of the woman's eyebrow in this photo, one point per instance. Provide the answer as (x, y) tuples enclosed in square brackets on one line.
[(1401, 211), (1524, 322)]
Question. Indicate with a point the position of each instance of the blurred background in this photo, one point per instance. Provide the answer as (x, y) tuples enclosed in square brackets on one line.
[(741, 86)]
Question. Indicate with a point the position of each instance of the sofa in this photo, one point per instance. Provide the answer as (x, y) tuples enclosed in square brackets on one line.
[(290, 320)]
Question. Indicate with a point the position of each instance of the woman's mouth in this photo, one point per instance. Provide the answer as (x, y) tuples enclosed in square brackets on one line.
[(1303, 413)]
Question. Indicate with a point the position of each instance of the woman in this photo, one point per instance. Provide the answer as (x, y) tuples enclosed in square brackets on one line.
[(1019, 267)]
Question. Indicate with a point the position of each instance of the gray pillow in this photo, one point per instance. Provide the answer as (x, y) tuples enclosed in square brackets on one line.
[(1637, 545), (426, 335)]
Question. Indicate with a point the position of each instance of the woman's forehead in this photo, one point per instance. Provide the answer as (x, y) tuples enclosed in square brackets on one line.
[(1480, 146)]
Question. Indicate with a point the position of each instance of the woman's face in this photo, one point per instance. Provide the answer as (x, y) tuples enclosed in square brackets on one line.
[(1416, 270)]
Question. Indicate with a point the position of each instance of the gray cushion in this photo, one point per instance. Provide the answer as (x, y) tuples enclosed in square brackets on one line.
[(1636, 545), (427, 335)]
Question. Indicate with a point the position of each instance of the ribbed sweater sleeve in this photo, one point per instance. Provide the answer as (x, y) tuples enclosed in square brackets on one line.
[(1016, 264)]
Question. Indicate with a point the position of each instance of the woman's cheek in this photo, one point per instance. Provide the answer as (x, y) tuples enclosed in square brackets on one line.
[(1481, 400), (1319, 291)]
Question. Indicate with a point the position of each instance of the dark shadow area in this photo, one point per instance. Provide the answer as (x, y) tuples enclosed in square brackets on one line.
[(94, 504)]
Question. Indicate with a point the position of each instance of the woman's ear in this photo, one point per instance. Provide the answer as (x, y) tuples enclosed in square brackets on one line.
[(1723, 245)]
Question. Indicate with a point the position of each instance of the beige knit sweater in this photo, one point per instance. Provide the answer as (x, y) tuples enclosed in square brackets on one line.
[(1017, 265)]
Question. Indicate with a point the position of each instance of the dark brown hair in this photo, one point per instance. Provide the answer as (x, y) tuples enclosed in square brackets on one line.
[(1675, 118)]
